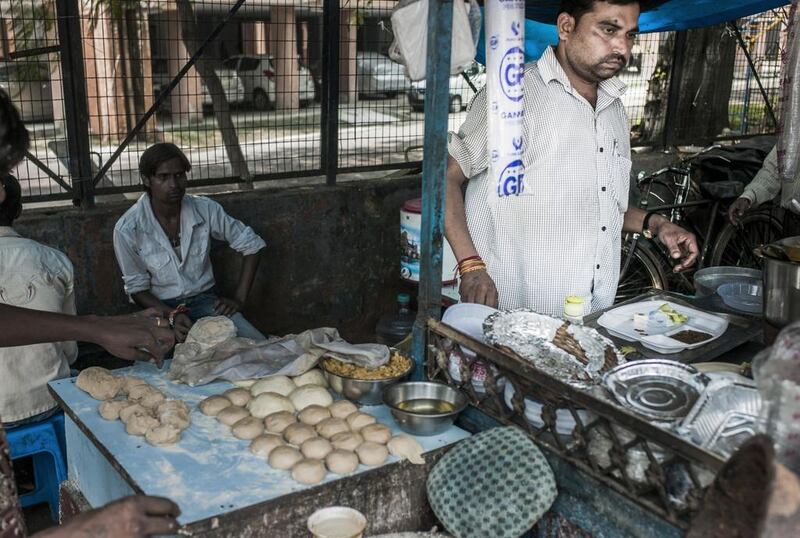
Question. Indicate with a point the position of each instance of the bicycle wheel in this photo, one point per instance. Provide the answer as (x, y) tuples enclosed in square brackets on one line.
[(734, 244), (644, 273)]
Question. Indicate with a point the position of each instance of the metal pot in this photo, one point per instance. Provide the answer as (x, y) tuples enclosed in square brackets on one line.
[(781, 291)]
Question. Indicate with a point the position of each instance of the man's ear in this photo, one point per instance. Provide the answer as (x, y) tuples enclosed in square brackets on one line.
[(146, 181), (565, 24)]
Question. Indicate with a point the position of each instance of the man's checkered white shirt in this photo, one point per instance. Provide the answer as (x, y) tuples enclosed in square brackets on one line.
[(562, 235)]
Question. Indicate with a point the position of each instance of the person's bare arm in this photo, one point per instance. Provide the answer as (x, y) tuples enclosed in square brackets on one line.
[(183, 323), (228, 306), (681, 244)]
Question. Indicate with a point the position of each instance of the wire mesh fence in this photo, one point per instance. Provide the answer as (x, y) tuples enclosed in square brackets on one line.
[(252, 106)]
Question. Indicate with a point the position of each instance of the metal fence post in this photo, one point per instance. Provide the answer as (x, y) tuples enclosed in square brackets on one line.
[(329, 109), (434, 169), (76, 109)]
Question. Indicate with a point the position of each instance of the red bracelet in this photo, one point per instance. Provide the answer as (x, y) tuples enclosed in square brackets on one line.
[(476, 257)]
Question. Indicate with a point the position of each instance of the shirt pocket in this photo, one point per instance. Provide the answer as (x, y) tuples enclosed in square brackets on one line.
[(198, 254), (157, 262), (619, 184)]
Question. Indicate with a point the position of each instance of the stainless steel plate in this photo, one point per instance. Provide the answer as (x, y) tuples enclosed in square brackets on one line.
[(656, 388)]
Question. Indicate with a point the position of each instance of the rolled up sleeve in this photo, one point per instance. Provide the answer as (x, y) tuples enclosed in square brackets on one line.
[(469, 145), (135, 277), (239, 236)]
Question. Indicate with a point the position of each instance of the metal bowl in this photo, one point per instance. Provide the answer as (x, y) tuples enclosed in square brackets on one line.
[(707, 280), (363, 391), (424, 418)]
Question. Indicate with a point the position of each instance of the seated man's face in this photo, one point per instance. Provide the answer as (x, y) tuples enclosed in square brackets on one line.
[(168, 184)]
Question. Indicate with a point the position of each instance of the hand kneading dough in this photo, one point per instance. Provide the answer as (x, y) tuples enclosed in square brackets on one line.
[(341, 462), (99, 383), (342, 409), (279, 384), (377, 433), (331, 426), (267, 403), (406, 447), (210, 331), (212, 405), (313, 415), (264, 444), (163, 435), (139, 424), (358, 420), (284, 457), (237, 396), (231, 415), (316, 448), (312, 377), (370, 453), (126, 413), (248, 428), (347, 440), (296, 434), (308, 471), (110, 409), (302, 397), (277, 422)]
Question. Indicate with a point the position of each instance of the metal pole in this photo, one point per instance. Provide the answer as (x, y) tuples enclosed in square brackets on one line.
[(434, 169), (76, 102), (329, 113), (735, 29), (673, 95)]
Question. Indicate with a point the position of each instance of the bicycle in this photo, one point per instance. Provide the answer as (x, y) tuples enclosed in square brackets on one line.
[(644, 262)]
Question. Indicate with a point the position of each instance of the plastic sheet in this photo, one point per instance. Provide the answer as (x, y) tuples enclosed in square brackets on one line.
[(789, 132)]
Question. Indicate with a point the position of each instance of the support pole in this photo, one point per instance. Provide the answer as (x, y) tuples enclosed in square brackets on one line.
[(329, 113)]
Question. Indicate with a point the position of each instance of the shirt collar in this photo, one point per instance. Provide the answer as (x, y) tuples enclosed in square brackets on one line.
[(190, 217), (8, 231), (551, 69)]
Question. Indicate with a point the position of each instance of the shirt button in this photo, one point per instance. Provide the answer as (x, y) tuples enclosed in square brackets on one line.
[(603, 189), (601, 150), (603, 228), (598, 266)]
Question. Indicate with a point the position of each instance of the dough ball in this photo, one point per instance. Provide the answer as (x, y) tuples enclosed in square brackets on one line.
[(209, 331), (110, 409), (99, 383), (341, 462), (347, 440), (126, 413), (372, 454), (312, 377), (406, 447), (308, 471), (316, 448), (376, 433), (279, 384), (137, 392), (139, 424), (245, 383), (358, 420), (152, 399), (284, 457), (267, 403), (331, 426), (238, 396), (342, 408), (248, 428), (264, 444), (313, 415), (232, 414), (296, 434), (174, 418), (278, 422), (212, 405), (129, 381), (307, 395), (163, 435)]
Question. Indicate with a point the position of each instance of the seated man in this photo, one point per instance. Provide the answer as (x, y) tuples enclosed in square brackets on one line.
[(163, 242)]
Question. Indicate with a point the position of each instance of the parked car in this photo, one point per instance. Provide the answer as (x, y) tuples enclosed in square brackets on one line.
[(461, 93), (28, 85), (379, 75), (230, 80), (258, 76)]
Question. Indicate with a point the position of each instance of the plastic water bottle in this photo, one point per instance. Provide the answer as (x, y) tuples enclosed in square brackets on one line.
[(573, 309), (393, 328)]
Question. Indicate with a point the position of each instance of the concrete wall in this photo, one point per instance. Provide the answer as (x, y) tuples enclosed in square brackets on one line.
[(332, 257)]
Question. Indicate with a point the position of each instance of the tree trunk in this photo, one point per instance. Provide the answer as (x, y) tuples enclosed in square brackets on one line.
[(651, 131), (219, 100)]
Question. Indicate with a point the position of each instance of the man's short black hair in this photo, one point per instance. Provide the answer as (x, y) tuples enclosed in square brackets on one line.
[(14, 137), (11, 208), (578, 8), (158, 154)]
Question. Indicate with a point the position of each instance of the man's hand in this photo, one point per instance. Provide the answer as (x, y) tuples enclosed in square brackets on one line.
[(182, 325), (143, 336), (227, 307), (681, 244), (478, 287), (132, 517), (737, 209)]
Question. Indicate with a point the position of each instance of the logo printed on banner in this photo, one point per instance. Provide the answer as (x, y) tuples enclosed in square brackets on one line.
[(512, 70), (495, 155), (493, 42), (515, 27), (512, 179), (517, 143)]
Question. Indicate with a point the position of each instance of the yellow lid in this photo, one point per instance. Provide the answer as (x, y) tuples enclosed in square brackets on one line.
[(574, 299)]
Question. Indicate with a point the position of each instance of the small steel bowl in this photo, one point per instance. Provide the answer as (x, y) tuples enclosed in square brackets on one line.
[(363, 391), (424, 423)]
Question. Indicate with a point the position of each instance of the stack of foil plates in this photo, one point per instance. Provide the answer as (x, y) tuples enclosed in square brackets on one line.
[(572, 353)]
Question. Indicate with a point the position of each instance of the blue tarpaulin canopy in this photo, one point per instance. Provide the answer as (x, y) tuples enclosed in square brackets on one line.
[(657, 16)]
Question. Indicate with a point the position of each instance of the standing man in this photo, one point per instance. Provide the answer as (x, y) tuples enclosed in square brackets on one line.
[(562, 236), (163, 246)]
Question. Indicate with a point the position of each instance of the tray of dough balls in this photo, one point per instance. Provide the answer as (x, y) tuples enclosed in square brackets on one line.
[(216, 448)]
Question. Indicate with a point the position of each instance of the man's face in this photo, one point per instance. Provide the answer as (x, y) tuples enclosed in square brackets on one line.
[(168, 184), (599, 45)]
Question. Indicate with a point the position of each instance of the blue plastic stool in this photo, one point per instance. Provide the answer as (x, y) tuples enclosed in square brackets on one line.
[(44, 441)]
